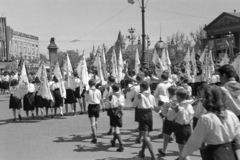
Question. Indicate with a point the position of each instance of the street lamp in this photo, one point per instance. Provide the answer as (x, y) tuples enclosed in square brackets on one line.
[(142, 6), (52, 53), (159, 46), (131, 38)]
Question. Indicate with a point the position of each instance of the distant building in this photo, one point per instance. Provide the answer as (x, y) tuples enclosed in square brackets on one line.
[(24, 45)]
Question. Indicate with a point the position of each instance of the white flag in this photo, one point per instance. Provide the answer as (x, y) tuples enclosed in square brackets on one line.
[(120, 67), (159, 68), (98, 64), (104, 65), (236, 65), (187, 67), (194, 64), (58, 75), (168, 61), (225, 59), (114, 64), (70, 77), (83, 72), (23, 83), (44, 91), (137, 62), (202, 57)]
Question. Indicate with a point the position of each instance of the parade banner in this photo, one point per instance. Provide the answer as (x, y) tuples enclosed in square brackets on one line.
[(137, 62), (120, 67), (158, 64), (58, 75), (104, 64), (83, 73), (70, 77), (194, 64), (114, 64), (236, 65), (225, 43), (225, 59), (98, 64), (44, 91), (187, 66)]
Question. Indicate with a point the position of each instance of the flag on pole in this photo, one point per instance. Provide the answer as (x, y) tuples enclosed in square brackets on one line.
[(137, 62), (168, 61), (58, 75), (159, 68), (44, 91), (187, 66), (211, 64), (83, 73), (23, 83), (202, 57), (114, 64), (120, 67), (104, 65), (194, 64), (164, 59), (225, 59), (70, 77), (39, 72), (98, 64)]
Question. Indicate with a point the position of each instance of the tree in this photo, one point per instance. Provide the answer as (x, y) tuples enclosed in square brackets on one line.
[(177, 45), (198, 37)]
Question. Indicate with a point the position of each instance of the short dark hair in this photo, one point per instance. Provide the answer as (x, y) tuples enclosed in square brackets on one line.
[(55, 79), (182, 93), (91, 82), (165, 76), (111, 79), (115, 87), (228, 70), (172, 90), (184, 78), (144, 85), (75, 74), (140, 76)]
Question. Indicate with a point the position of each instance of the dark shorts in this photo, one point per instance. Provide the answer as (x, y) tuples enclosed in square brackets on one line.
[(136, 115), (77, 92), (182, 132), (145, 120), (220, 152), (115, 121), (168, 127), (14, 102), (70, 97), (93, 110)]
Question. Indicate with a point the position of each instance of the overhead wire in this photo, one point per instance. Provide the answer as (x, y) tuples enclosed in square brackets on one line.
[(104, 22)]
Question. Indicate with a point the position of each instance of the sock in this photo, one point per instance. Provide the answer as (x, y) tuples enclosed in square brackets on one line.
[(118, 136)]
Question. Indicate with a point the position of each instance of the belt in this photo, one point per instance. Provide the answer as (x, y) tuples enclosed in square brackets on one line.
[(228, 144)]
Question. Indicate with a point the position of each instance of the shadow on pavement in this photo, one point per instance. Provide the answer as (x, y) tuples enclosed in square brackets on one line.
[(7, 121)]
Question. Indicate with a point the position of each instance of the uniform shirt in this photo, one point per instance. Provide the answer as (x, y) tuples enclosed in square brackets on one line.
[(55, 85), (93, 96), (147, 79), (107, 92), (77, 81), (117, 99), (188, 88), (50, 83), (185, 114), (31, 88), (144, 101), (162, 89), (171, 114), (211, 130)]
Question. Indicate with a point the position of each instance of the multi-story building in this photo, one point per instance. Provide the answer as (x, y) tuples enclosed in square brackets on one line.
[(24, 45)]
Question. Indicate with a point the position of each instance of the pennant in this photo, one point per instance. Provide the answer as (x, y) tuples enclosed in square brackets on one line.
[(98, 64), (225, 59), (120, 67), (114, 64), (70, 77), (159, 68), (39, 72), (58, 75), (23, 83), (211, 64), (202, 57), (104, 65), (44, 91), (168, 61), (137, 62), (194, 64), (83, 73), (187, 66)]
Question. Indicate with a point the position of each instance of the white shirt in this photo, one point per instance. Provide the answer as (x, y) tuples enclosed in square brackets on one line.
[(185, 114), (144, 101), (147, 79), (107, 92), (31, 88), (199, 110), (188, 88), (171, 114), (211, 130), (93, 96), (55, 85), (77, 81), (116, 101), (162, 89)]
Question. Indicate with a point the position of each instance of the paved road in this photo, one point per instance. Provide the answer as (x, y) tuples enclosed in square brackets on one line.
[(68, 138)]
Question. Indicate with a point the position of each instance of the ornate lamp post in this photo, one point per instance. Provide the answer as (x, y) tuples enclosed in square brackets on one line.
[(159, 46), (142, 5), (52, 48)]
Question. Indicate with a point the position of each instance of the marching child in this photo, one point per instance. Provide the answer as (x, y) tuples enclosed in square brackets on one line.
[(145, 103), (170, 115), (184, 118), (93, 98), (115, 103)]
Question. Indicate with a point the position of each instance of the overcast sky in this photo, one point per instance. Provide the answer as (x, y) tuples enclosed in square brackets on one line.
[(99, 21)]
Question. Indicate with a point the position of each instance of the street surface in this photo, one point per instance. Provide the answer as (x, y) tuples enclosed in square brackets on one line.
[(68, 138)]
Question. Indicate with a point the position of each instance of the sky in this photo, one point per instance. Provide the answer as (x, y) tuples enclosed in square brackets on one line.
[(95, 22)]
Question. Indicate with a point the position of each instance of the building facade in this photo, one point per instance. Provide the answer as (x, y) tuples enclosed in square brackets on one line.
[(223, 34), (24, 45)]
